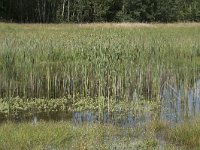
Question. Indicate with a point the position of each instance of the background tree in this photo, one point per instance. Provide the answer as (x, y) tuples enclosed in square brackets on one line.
[(77, 11)]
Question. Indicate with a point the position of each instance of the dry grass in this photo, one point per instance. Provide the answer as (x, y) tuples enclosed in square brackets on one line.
[(102, 25)]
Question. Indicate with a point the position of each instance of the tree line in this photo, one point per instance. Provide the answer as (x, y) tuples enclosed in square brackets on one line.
[(79, 11)]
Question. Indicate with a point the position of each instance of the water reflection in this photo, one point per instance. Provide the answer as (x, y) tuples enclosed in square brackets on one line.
[(180, 103), (177, 103), (116, 118), (121, 119)]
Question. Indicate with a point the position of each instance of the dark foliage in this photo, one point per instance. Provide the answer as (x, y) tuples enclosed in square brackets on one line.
[(46, 11)]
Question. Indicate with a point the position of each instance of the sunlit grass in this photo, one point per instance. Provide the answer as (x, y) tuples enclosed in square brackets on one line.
[(64, 135), (54, 61), (94, 67), (186, 134)]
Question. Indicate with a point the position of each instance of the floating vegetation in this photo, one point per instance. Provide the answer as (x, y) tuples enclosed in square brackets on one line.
[(14, 107)]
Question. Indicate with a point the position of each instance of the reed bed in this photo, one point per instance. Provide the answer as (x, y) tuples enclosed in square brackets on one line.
[(118, 63)]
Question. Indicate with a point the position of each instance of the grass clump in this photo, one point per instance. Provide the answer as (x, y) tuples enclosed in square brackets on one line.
[(186, 134), (64, 135)]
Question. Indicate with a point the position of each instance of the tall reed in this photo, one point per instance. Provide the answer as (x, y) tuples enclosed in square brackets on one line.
[(118, 63)]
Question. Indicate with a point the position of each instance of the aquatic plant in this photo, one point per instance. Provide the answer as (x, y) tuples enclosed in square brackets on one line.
[(117, 63), (11, 108)]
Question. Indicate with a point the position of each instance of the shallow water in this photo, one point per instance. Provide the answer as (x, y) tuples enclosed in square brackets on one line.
[(116, 118), (177, 104), (180, 103)]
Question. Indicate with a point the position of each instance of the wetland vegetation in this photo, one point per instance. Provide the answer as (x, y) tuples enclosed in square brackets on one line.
[(99, 84)]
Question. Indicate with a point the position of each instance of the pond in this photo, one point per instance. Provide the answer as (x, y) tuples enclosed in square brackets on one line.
[(180, 103), (177, 104)]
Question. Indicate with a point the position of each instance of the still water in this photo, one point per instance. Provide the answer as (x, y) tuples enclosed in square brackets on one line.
[(180, 103), (177, 103)]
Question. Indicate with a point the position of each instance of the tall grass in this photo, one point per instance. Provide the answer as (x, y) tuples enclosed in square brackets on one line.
[(118, 63)]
